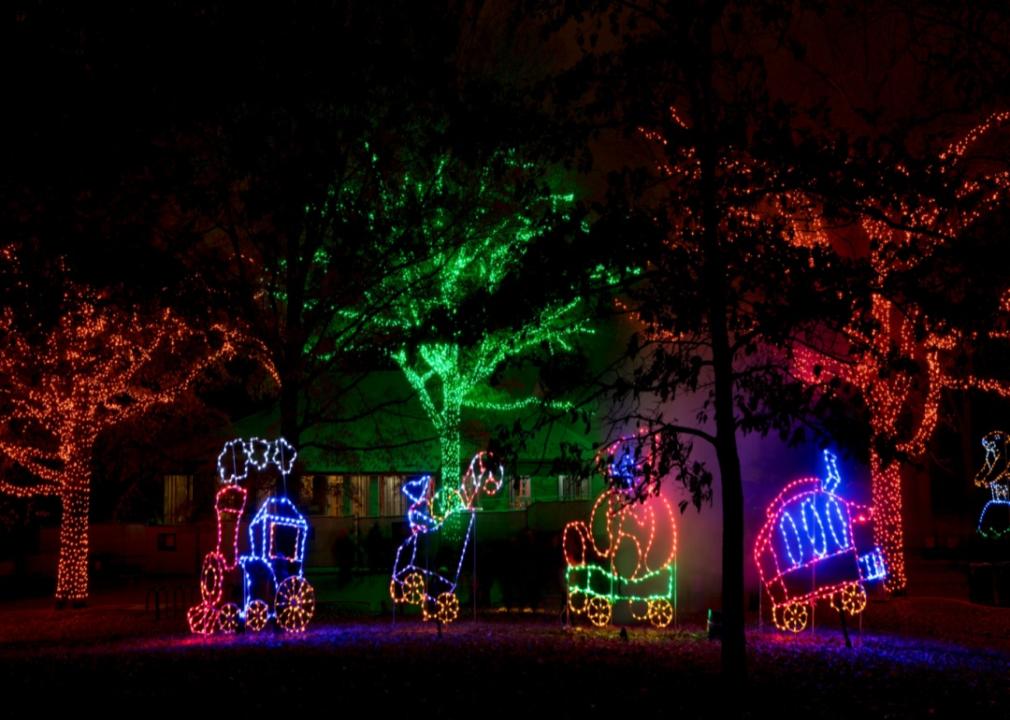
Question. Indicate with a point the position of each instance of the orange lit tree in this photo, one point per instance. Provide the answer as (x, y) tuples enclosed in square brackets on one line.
[(898, 357), (722, 287), (97, 366)]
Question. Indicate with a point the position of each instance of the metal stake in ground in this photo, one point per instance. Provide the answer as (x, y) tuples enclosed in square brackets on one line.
[(473, 583), (845, 627)]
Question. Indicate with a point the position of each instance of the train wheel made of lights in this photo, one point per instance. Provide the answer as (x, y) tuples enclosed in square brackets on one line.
[(295, 604), (413, 588), (446, 608), (577, 601), (202, 618), (792, 617), (851, 599), (599, 611), (639, 609), (212, 578), (660, 612), (227, 618), (257, 613)]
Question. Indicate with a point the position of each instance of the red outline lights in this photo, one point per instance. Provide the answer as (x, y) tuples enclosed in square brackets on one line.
[(899, 234), (809, 550), (271, 579), (596, 574)]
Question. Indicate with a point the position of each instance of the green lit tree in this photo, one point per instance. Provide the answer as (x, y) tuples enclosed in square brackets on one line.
[(260, 201), (467, 311)]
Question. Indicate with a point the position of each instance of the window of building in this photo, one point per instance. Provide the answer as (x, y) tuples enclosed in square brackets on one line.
[(334, 506), (322, 495), (353, 495), (521, 495), (178, 499), (391, 500), (307, 494), (356, 495), (572, 487)]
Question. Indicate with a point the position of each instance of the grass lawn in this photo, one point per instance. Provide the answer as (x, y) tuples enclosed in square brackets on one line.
[(915, 658)]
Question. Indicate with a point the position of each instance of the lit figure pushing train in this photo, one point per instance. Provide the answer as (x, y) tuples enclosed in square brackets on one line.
[(413, 582)]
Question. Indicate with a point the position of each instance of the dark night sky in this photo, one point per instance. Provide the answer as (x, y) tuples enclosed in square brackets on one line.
[(107, 107)]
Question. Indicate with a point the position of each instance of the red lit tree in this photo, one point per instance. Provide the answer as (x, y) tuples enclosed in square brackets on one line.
[(96, 367), (898, 356), (727, 290)]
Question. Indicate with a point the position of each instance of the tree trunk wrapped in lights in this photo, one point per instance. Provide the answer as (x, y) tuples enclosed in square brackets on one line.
[(99, 366), (72, 570)]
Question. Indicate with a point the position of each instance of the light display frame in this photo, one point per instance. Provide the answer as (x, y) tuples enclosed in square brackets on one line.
[(788, 560), (290, 598), (594, 582), (414, 583), (995, 475)]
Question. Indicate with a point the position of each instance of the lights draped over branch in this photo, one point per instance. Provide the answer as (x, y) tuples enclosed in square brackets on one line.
[(97, 367), (887, 395), (477, 227), (809, 550), (271, 576), (412, 582), (994, 520), (897, 357), (637, 563)]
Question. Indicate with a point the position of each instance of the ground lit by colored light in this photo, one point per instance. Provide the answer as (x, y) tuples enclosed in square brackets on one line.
[(918, 657)]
